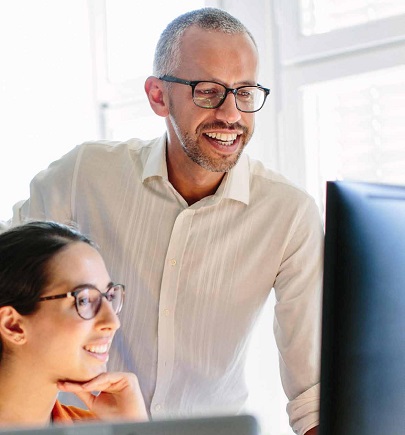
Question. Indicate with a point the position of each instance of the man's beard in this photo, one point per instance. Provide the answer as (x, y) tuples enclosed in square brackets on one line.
[(193, 150)]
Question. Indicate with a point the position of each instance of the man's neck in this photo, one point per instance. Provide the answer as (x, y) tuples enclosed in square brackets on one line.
[(193, 189), (191, 181)]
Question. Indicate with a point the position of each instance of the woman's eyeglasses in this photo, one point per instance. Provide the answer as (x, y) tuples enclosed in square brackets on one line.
[(88, 299)]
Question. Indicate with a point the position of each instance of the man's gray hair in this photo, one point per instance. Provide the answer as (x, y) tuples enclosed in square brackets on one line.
[(167, 50)]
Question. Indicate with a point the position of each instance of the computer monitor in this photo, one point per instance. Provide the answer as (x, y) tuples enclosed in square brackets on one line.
[(363, 321), (219, 425)]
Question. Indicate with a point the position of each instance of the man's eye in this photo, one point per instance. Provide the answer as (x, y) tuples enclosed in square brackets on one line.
[(246, 95), (207, 92)]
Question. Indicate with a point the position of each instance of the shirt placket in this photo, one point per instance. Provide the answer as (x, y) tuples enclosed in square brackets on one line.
[(167, 305)]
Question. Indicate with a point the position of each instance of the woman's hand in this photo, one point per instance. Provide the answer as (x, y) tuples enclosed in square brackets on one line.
[(120, 396)]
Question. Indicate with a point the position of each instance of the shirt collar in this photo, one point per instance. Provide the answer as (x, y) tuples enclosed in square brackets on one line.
[(155, 165), (235, 185)]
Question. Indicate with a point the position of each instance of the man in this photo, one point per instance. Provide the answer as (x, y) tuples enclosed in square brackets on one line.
[(198, 232)]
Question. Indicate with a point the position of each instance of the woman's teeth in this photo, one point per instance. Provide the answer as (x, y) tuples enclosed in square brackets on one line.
[(97, 349)]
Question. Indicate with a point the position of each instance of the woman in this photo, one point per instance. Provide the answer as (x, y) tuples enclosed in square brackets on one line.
[(58, 316)]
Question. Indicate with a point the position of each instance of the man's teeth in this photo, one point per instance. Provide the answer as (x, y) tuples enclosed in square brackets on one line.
[(223, 137), (97, 349)]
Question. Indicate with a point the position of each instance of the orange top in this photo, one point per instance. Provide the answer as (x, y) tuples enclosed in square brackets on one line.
[(71, 413)]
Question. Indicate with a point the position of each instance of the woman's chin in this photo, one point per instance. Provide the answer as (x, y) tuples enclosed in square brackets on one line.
[(86, 375), (96, 372)]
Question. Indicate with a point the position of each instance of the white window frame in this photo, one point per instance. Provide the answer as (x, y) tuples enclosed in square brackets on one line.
[(307, 60), (296, 48)]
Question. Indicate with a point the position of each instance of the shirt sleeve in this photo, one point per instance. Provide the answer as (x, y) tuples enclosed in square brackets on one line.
[(297, 319), (51, 193), (304, 410)]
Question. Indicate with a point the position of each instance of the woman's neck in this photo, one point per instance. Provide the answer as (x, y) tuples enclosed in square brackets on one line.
[(25, 400)]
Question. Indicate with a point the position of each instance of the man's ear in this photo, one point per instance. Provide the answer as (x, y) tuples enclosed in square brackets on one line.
[(154, 89), (11, 326)]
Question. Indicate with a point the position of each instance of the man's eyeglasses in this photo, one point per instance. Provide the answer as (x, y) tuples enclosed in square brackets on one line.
[(210, 95), (88, 299)]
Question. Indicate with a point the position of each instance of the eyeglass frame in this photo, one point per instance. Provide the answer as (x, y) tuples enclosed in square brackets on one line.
[(82, 287), (234, 91)]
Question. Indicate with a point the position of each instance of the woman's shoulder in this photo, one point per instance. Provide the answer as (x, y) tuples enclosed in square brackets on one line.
[(66, 413)]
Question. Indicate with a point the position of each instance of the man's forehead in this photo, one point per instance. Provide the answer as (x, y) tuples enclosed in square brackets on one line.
[(197, 34), (211, 54)]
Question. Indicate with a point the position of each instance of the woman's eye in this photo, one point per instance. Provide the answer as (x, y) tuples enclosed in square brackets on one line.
[(111, 295), (86, 297), (82, 301)]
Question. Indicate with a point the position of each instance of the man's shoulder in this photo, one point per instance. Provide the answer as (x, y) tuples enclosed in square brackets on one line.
[(270, 182), (106, 154), (108, 146)]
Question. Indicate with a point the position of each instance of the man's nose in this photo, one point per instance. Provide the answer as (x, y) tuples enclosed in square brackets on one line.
[(228, 111)]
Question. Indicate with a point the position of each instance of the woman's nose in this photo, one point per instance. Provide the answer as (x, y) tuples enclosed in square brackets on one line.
[(106, 317)]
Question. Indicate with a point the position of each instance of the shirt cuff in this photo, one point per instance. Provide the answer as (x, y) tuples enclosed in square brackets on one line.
[(303, 411)]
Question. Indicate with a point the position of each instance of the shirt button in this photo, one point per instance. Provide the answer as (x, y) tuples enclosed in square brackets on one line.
[(166, 312), (158, 407), (173, 262)]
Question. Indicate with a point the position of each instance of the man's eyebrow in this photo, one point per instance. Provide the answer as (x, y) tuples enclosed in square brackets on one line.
[(235, 85)]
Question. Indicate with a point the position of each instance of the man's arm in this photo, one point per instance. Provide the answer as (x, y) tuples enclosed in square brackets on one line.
[(297, 324)]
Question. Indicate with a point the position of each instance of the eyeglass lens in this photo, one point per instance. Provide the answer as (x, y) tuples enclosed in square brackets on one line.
[(88, 300), (210, 95)]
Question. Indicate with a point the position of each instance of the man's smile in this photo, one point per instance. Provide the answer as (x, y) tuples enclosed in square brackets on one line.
[(226, 139)]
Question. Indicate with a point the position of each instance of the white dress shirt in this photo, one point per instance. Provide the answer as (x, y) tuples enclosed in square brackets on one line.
[(196, 276)]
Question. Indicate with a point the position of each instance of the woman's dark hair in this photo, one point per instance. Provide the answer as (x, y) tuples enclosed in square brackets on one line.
[(25, 252)]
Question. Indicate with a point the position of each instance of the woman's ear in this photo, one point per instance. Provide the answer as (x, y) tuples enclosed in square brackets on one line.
[(154, 89), (11, 326)]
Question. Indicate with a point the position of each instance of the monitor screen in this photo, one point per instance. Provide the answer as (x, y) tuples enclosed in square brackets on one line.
[(363, 321)]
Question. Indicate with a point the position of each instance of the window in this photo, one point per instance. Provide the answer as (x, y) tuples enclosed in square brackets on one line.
[(124, 39), (354, 125), (46, 89), (323, 16), (342, 91), (51, 97)]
